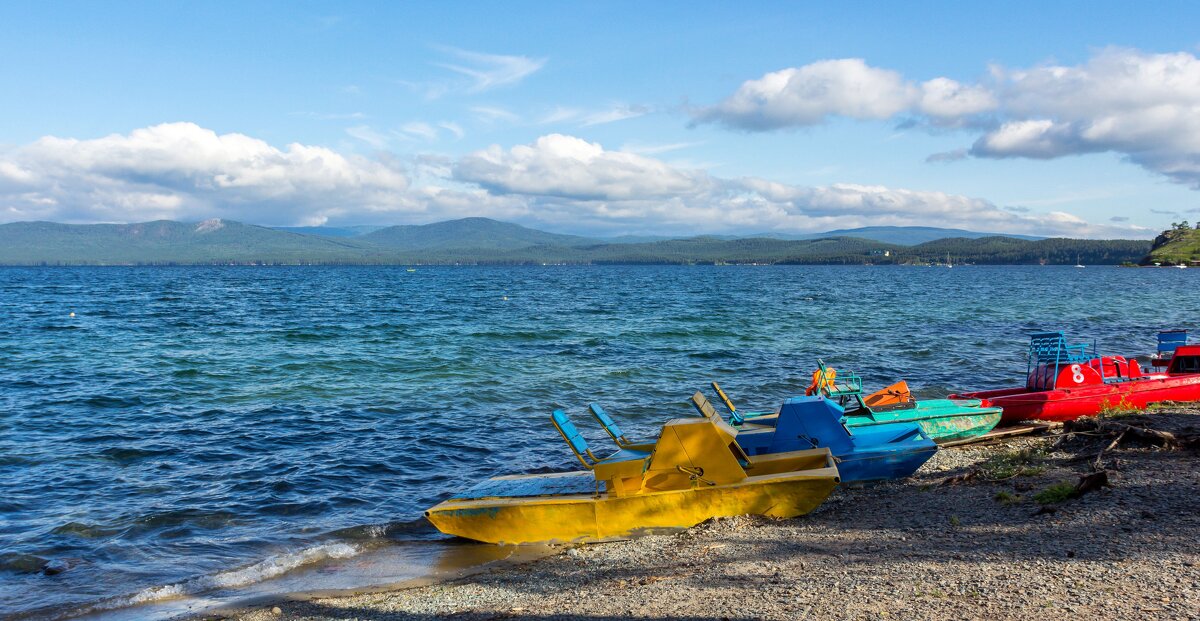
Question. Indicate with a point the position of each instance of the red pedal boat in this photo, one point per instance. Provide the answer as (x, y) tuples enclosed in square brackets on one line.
[(1065, 382)]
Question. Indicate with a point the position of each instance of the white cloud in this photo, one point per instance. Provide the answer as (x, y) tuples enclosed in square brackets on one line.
[(184, 172), (569, 180), (585, 118), (946, 98), (367, 135), (418, 129), (568, 167), (655, 149), (560, 114), (810, 94), (1143, 106), (493, 114), (618, 112), (489, 71), (453, 128)]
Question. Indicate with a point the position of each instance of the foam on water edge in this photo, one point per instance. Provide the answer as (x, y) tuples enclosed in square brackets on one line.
[(262, 571)]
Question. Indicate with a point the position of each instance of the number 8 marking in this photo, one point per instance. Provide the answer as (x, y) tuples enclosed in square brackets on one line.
[(1076, 374)]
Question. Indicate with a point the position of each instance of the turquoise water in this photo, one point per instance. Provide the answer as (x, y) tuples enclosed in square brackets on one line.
[(194, 429)]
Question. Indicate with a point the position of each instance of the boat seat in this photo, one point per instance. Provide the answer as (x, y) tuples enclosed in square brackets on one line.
[(579, 446), (614, 432)]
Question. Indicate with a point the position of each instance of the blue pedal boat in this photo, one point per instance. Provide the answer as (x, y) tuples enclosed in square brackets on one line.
[(887, 451), (878, 452)]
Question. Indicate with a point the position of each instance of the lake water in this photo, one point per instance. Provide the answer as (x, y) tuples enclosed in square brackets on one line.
[(197, 431)]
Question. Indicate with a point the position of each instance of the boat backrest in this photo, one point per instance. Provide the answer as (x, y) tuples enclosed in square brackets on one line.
[(700, 402), (1052, 347), (812, 420), (571, 434), (607, 422), (1168, 340)]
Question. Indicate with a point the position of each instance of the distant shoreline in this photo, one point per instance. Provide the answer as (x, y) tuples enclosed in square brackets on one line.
[(480, 241)]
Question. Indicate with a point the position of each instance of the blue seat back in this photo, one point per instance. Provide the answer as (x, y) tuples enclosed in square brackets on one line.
[(1170, 339), (806, 422), (570, 433), (609, 424)]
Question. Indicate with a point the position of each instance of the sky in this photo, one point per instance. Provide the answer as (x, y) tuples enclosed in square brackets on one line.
[(1076, 119)]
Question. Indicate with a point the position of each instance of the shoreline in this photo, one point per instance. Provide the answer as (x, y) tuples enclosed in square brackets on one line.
[(943, 544)]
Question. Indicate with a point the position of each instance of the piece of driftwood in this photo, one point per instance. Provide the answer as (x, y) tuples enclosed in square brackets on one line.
[(960, 478), (1122, 432)]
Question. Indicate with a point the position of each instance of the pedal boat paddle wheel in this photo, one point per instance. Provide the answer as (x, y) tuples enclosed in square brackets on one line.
[(1064, 382), (694, 471)]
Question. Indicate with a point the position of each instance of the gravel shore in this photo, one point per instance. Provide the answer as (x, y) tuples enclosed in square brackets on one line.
[(921, 548)]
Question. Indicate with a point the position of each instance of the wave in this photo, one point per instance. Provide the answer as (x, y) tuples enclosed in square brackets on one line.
[(271, 567)]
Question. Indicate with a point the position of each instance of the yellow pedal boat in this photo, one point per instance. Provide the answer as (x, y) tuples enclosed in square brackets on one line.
[(693, 472)]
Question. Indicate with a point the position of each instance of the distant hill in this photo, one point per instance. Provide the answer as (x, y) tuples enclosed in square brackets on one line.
[(468, 233), (485, 241), (164, 241), (330, 231), (1178, 246), (522, 236), (1000, 250), (911, 235)]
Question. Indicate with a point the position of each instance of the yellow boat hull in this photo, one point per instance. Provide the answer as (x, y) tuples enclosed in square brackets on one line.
[(583, 517)]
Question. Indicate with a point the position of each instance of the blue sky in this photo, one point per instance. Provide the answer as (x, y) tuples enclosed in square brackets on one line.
[(1076, 119)]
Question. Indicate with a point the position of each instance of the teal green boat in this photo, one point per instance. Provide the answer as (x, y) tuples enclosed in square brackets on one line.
[(943, 420)]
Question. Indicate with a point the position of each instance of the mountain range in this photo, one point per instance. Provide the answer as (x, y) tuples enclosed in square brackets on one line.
[(482, 240), (901, 235)]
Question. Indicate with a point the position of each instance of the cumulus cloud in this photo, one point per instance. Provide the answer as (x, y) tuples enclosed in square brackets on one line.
[(1143, 106), (184, 172), (847, 87), (810, 94), (567, 179), (569, 167)]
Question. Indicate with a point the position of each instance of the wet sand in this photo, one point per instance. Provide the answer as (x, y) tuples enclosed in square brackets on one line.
[(921, 548)]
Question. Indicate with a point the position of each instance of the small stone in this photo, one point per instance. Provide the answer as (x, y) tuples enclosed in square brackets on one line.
[(276, 611)]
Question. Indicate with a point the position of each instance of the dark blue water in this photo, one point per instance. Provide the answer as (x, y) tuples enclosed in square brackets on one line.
[(197, 428)]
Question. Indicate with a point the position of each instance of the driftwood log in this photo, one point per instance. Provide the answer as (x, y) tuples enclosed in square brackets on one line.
[(1121, 432)]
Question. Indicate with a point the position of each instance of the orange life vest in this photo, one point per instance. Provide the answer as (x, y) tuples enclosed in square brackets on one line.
[(821, 381)]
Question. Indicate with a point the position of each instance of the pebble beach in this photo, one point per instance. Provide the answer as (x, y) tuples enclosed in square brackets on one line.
[(980, 532)]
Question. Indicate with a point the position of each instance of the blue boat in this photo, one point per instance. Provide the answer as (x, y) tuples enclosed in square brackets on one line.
[(878, 452)]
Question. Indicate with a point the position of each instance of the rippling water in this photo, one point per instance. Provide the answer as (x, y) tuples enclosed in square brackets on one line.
[(192, 429)]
